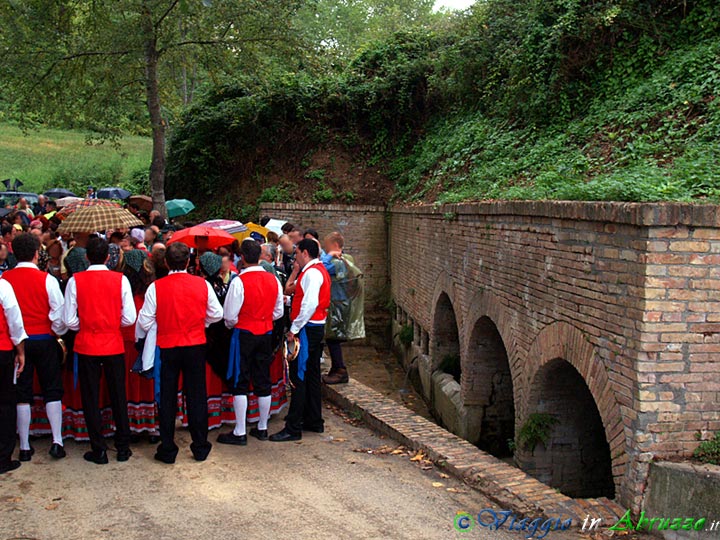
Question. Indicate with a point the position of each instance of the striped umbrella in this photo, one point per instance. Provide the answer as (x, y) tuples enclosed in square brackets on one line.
[(99, 218), (227, 225), (72, 207)]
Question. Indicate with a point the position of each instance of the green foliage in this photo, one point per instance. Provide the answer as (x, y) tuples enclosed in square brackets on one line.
[(450, 364), (564, 99), (536, 429), (406, 334), (709, 451), (317, 174), (274, 194), (323, 193)]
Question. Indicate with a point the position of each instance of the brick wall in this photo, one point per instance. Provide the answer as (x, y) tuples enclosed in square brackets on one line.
[(628, 294), (365, 232)]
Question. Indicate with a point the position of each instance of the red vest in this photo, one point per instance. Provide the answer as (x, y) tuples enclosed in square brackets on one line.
[(181, 301), (30, 289), (323, 296), (6, 343), (99, 301), (260, 294)]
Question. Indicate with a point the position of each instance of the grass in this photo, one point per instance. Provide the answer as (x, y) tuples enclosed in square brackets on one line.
[(46, 158), (649, 137)]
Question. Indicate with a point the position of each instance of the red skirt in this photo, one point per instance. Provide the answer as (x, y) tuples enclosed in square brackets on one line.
[(142, 409)]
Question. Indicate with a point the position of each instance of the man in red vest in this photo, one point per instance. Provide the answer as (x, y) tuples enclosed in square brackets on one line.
[(307, 313), (41, 303), (253, 302), (12, 361), (182, 306), (98, 303)]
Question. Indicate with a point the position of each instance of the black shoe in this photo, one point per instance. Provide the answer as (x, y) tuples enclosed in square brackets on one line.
[(231, 438), (57, 451), (168, 460), (9, 466), (99, 457), (320, 429), (259, 434), (26, 455), (124, 454), (284, 436)]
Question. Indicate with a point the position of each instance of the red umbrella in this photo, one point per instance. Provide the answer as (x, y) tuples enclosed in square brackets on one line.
[(216, 237)]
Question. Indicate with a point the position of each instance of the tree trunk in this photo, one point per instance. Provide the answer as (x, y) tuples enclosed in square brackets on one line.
[(157, 165)]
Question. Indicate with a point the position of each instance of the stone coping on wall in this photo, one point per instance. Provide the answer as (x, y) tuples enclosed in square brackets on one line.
[(322, 207), (640, 214), (508, 486)]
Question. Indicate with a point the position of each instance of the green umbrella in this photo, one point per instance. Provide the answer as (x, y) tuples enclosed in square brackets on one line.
[(179, 207)]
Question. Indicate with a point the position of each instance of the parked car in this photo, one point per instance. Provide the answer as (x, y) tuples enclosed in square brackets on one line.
[(11, 198)]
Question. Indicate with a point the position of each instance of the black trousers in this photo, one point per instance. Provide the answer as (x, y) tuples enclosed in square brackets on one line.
[(190, 361), (8, 411), (257, 354), (336, 355), (306, 401), (41, 355), (90, 369)]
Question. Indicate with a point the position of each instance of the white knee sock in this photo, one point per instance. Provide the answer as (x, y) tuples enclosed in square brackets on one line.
[(264, 406), (54, 414), (240, 405), (23, 425)]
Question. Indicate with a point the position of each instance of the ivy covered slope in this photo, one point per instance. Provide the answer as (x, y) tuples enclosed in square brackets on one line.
[(515, 99)]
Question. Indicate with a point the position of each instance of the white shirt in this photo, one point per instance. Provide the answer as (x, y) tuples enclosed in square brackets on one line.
[(311, 282), (55, 298), (146, 317), (236, 297), (70, 310), (10, 305)]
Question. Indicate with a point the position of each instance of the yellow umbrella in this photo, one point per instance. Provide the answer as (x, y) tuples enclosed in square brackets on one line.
[(251, 228)]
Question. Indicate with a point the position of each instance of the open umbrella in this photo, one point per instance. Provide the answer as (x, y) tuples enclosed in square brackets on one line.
[(275, 225), (234, 228), (99, 218), (65, 201), (143, 202), (82, 203), (179, 207), (215, 237), (57, 193), (113, 193), (252, 228)]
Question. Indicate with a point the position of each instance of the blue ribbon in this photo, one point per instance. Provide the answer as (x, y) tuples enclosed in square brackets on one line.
[(75, 370), (40, 337), (156, 374), (233, 370), (303, 354)]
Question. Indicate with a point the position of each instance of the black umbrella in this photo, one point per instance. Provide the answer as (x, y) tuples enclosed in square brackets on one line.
[(59, 193), (113, 193), (5, 211)]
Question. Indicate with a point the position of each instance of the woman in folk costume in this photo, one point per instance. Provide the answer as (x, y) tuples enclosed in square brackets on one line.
[(142, 409)]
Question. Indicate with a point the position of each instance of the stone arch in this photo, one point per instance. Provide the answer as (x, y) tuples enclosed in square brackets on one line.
[(487, 382), (445, 321), (562, 365)]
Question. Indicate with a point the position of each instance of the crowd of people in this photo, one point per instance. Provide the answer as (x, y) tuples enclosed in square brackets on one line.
[(124, 332)]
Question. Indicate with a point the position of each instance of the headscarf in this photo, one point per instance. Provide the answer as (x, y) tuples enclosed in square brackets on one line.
[(210, 263), (135, 258)]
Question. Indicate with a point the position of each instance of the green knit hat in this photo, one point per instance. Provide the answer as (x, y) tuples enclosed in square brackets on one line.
[(210, 263), (135, 258)]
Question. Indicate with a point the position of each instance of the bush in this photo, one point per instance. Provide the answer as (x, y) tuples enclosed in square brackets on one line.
[(536, 430), (709, 451)]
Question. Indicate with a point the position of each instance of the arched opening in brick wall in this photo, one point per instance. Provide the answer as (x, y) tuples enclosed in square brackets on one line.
[(446, 344), (576, 457), (488, 386)]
